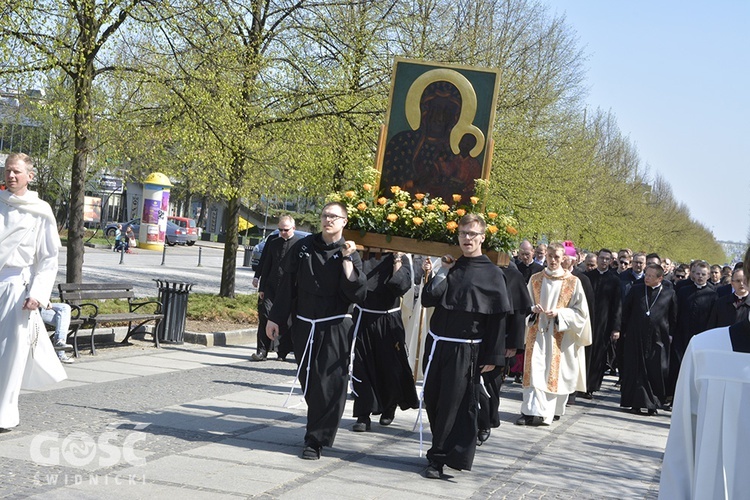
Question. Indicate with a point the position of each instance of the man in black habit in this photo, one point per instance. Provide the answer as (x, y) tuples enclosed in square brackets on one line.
[(605, 313), (649, 316), (322, 281), (466, 338), (381, 376), (271, 273), (694, 303)]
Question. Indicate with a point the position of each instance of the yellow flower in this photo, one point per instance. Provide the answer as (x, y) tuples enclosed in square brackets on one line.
[(511, 230), (444, 207), (456, 198), (451, 226), (395, 189), (460, 212), (382, 200), (417, 221), (492, 215), (474, 200), (350, 194), (492, 228), (431, 207), (362, 207), (392, 217), (417, 205), (367, 187), (401, 204), (419, 196)]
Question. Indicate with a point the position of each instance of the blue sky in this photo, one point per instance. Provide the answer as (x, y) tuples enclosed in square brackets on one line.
[(675, 74)]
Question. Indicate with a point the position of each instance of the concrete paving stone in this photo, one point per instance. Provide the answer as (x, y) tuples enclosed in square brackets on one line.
[(78, 374), (204, 357), (65, 384), (123, 367), (164, 362), (272, 455), (335, 488), (115, 487), (215, 475)]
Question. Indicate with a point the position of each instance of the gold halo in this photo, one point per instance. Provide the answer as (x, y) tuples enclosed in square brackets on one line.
[(468, 106)]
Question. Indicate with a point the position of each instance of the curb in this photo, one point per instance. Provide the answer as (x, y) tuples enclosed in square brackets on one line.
[(244, 336)]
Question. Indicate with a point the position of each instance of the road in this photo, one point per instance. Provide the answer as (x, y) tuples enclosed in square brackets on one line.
[(143, 266)]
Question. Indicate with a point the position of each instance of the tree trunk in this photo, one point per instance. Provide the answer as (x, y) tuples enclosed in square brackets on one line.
[(82, 129), (229, 263)]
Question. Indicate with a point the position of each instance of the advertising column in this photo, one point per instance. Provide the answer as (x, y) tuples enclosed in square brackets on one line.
[(155, 210)]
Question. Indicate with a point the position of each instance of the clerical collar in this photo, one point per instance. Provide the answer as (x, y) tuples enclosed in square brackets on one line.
[(555, 274), (699, 286), (602, 272), (655, 287)]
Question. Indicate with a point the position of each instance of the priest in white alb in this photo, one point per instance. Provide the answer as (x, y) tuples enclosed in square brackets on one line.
[(554, 364), (707, 454)]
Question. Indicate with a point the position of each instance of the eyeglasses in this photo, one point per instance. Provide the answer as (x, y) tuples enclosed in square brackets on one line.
[(468, 234), (329, 216), (624, 262), (285, 230)]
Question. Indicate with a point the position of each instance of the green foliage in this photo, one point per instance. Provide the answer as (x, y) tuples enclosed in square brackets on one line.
[(238, 101)]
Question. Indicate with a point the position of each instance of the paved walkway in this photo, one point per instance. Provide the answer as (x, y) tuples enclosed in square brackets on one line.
[(198, 422)]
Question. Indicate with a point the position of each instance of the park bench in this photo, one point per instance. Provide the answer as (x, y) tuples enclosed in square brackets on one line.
[(83, 298)]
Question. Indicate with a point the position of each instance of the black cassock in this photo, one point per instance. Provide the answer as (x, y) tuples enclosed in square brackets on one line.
[(470, 303), (648, 318), (694, 305), (515, 330), (382, 377), (315, 287), (606, 313)]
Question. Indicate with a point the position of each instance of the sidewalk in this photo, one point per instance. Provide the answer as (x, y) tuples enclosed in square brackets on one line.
[(207, 423)]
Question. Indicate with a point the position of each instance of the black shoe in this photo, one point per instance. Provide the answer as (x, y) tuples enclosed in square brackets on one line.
[(259, 356), (586, 395), (666, 407), (361, 425), (517, 380), (433, 471), (483, 435), (4, 430), (531, 420), (311, 452), (652, 412), (387, 417), (556, 418)]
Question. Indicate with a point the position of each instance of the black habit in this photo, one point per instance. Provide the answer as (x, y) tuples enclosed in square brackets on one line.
[(471, 302), (649, 317), (315, 287), (728, 310), (270, 274), (382, 378), (606, 315)]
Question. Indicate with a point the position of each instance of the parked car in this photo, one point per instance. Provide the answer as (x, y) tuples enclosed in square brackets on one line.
[(189, 225), (258, 249), (176, 235)]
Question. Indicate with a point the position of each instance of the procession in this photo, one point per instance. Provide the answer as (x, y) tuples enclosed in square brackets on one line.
[(356, 249)]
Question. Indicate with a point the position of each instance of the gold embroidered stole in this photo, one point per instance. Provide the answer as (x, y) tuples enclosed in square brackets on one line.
[(566, 293)]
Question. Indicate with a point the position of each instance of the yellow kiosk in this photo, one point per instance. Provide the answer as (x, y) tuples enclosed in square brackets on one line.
[(155, 210)]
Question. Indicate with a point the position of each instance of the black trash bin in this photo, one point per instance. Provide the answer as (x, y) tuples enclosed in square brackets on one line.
[(247, 259), (174, 299)]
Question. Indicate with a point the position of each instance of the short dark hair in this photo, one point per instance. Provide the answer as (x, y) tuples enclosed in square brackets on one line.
[(607, 250), (470, 219), (336, 204), (653, 256)]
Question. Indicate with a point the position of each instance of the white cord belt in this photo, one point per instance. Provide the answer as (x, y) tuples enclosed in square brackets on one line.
[(309, 349), (436, 339)]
